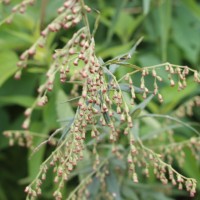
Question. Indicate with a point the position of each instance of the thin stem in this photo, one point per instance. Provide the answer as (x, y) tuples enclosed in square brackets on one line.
[(72, 99), (43, 12), (85, 18), (46, 141), (148, 67)]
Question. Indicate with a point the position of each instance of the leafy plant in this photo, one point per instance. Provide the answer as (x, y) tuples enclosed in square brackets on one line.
[(102, 137)]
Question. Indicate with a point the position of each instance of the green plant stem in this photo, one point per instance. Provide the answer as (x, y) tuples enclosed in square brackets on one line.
[(150, 67), (85, 18), (46, 141), (43, 12)]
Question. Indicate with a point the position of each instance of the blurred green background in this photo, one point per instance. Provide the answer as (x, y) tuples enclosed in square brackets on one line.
[(171, 31)]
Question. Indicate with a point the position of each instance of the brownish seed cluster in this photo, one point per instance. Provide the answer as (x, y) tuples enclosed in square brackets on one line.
[(69, 15), (21, 8), (187, 108), (176, 151), (180, 72), (6, 1), (101, 106), (146, 158), (22, 138)]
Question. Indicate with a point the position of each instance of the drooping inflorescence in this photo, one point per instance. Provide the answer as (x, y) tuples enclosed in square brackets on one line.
[(103, 111)]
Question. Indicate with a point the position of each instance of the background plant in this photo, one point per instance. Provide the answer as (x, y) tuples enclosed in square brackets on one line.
[(168, 37)]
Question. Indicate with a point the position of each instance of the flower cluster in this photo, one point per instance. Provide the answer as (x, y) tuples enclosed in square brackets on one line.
[(102, 106), (174, 72), (187, 108), (176, 150), (21, 8), (6, 1), (142, 156), (22, 138), (69, 15)]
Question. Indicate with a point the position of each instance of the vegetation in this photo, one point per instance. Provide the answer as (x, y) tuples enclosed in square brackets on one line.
[(106, 101)]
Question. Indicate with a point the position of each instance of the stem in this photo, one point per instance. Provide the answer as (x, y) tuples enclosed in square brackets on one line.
[(46, 141), (43, 12), (148, 67), (85, 18)]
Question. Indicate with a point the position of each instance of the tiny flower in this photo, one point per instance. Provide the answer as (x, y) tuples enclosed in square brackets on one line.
[(26, 123)]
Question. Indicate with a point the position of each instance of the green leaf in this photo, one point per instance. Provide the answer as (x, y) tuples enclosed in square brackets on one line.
[(114, 51), (146, 6), (125, 87), (144, 103), (182, 26), (8, 65), (35, 161), (164, 20), (128, 27), (113, 185), (191, 166), (136, 113), (49, 110), (64, 110), (94, 188), (148, 59), (115, 20), (193, 6), (21, 100), (129, 193), (173, 119)]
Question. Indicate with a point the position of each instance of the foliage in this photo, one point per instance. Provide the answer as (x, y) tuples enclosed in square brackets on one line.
[(99, 115)]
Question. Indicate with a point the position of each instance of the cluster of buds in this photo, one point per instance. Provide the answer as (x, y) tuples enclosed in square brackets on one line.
[(6, 1), (63, 160), (187, 108), (131, 159), (21, 138), (177, 150), (63, 57), (145, 72), (21, 8), (27, 114), (180, 71), (141, 156), (83, 192), (70, 14), (98, 98)]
